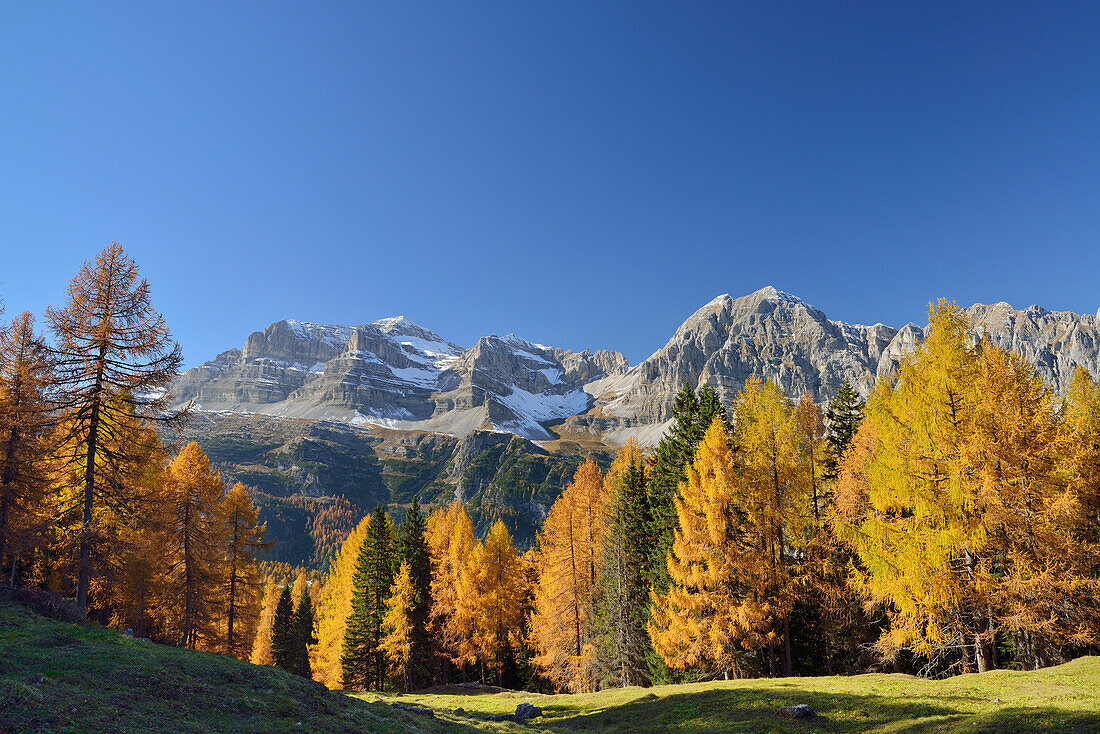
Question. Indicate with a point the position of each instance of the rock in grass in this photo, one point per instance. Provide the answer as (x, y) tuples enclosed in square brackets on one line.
[(801, 711), (527, 711)]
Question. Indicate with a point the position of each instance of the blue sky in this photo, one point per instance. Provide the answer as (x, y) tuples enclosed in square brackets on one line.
[(585, 175)]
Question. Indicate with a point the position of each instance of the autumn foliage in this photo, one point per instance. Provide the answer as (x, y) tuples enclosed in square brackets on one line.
[(949, 523)]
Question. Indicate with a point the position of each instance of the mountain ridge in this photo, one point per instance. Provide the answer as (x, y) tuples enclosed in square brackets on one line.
[(395, 373)]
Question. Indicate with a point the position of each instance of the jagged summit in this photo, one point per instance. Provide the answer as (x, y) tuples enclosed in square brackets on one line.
[(395, 372)]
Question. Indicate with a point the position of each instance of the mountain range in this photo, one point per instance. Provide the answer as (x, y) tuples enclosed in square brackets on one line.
[(399, 375), (325, 421)]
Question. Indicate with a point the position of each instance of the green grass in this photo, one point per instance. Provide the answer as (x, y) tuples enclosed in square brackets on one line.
[(61, 677), (1060, 699)]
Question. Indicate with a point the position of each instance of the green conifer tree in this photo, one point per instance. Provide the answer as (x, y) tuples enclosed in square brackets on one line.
[(413, 550), (676, 449), (304, 636), (623, 589), (283, 633), (362, 661), (842, 417), (710, 407)]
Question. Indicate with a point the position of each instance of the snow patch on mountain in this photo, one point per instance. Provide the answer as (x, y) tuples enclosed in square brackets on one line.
[(335, 336)]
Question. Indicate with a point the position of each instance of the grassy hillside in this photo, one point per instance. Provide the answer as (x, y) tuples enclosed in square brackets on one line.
[(61, 677), (1061, 699)]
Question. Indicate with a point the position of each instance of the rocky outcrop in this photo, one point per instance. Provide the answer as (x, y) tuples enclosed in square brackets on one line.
[(397, 374), (1056, 342), (777, 336)]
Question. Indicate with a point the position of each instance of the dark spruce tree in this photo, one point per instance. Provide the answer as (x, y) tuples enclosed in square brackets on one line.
[(676, 448), (843, 416), (283, 632), (710, 407), (692, 414), (413, 550), (303, 626), (362, 662), (622, 594)]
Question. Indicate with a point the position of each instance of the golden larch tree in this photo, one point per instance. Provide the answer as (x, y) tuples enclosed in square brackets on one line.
[(397, 642), (450, 536), (956, 501), (114, 358), (196, 532), (334, 606), (25, 415), (244, 539), (567, 563), (697, 623), (491, 595)]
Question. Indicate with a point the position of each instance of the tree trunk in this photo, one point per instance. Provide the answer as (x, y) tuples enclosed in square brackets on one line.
[(984, 654), (788, 666), (84, 570)]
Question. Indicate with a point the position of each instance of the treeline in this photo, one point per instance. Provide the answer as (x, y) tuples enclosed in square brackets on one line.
[(949, 524), (93, 506)]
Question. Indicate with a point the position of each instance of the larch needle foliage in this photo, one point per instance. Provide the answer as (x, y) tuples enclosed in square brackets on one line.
[(114, 358), (568, 566), (26, 373), (491, 595), (197, 533), (696, 621), (450, 537), (957, 501), (243, 541), (398, 642), (334, 608)]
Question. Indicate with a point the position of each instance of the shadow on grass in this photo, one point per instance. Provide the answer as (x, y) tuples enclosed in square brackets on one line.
[(1017, 720), (757, 710), (461, 689)]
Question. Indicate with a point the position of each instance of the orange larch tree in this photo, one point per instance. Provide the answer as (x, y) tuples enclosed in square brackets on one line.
[(115, 359), (567, 562)]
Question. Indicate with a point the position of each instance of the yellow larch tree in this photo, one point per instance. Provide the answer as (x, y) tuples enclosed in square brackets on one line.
[(567, 565), (697, 623), (261, 643), (959, 510), (25, 441), (491, 594), (1082, 453), (397, 641), (333, 608), (774, 498), (196, 535), (450, 536), (1046, 591), (920, 535), (243, 541)]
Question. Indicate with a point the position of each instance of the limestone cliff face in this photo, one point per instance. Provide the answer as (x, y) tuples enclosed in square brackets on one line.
[(1056, 342), (397, 374), (776, 336)]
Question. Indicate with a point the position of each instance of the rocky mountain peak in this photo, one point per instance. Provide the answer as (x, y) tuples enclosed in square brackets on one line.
[(395, 372)]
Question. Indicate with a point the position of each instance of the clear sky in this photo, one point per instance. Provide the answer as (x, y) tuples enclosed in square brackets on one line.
[(582, 174)]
